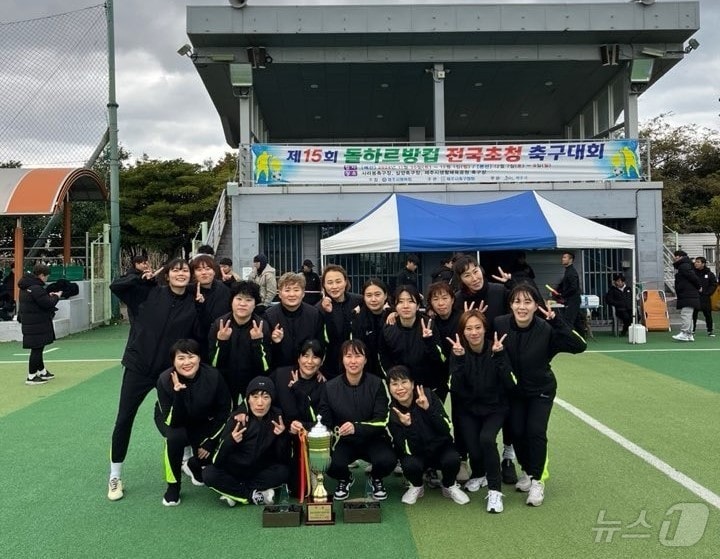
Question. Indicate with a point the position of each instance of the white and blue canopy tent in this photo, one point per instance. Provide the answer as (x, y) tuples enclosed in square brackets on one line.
[(521, 221)]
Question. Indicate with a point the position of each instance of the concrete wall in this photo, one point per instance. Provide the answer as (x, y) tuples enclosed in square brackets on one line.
[(638, 202), (73, 315)]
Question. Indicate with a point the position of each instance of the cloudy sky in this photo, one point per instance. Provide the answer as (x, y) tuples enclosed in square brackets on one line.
[(165, 112)]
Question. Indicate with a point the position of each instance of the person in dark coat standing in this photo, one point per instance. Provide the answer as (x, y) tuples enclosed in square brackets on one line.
[(708, 285), (687, 289), (313, 286), (37, 309), (569, 289)]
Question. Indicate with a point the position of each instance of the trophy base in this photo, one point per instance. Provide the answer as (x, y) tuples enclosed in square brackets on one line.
[(361, 511), (319, 514), (282, 516)]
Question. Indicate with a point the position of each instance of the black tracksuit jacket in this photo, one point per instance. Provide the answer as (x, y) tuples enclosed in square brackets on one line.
[(304, 323), (259, 448), (162, 319), (530, 350), (429, 431), (423, 356), (301, 400), (337, 326), (205, 403), (239, 359), (365, 405)]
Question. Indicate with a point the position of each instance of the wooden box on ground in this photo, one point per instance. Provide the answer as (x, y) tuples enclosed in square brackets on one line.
[(281, 516), (361, 511)]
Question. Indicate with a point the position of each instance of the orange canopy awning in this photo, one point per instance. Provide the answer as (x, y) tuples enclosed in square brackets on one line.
[(43, 191)]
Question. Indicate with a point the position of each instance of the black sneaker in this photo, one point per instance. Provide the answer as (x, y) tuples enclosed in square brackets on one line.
[(32, 380), (172, 495), (509, 475), (378, 489), (342, 491), (47, 375)]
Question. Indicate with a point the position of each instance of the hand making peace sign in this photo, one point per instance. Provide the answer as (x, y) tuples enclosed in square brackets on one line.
[(426, 327), (498, 344), (224, 332), (256, 332), (422, 400), (177, 385), (279, 426), (277, 334), (549, 314), (457, 347)]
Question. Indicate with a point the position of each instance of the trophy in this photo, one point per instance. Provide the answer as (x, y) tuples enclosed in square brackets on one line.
[(319, 508)]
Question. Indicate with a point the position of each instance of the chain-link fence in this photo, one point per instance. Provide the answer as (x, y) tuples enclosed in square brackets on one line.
[(53, 88)]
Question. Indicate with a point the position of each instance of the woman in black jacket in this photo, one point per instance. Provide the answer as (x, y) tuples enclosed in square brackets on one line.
[(368, 321), (532, 337), (37, 309), (165, 314), (412, 341), (336, 307), (252, 456), (239, 341), (480, 380), (214, 296), (192, 406)]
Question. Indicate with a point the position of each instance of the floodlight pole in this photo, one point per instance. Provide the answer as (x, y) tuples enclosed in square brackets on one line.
[(113, 156)]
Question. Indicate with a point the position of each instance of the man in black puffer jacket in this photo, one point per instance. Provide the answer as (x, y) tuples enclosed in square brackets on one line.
[(687, 289), (37, 309)]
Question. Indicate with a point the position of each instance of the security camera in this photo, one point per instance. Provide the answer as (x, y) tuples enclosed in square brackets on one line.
[(184, 50), (238, 3), (241, 91)]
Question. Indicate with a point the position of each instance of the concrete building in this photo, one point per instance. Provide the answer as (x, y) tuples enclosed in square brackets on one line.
[(454, 74)]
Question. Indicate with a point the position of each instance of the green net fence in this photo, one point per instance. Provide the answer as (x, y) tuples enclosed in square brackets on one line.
[(53, 88)]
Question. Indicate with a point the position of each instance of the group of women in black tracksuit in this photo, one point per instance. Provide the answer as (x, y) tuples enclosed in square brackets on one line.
[(239, 395)]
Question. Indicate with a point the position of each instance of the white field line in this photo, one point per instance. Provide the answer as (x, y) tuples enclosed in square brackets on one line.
[(114, 360), (44, 352), (688, 483)]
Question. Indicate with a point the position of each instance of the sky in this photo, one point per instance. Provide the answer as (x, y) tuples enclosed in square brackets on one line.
[(166, 113)]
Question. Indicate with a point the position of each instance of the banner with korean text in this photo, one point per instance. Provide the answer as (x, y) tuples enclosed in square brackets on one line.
[(611, 160)]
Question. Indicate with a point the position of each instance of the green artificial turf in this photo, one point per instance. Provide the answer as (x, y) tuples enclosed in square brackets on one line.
[(56, 438)]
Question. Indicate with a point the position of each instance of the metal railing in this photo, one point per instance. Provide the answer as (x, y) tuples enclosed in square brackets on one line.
[(211, 234)]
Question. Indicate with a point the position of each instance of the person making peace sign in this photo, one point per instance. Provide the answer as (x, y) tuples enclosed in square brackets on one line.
[(254, 450)]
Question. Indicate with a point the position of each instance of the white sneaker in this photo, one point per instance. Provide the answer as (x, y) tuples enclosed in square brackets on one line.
[(464, 473), (474, 484), (228, 501), (413, 494), (456, 494), (681, 337), (691, 338), (115, 489), (268, 496), (523, 483), (494, 501), (187, 470), (398, 469), (536, 496)]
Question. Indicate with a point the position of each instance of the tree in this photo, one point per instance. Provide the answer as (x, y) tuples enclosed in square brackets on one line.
[(163, 202), (687, 160), (709, 218)]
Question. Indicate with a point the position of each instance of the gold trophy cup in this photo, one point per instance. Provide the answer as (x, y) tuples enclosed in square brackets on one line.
[(319, 508)]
